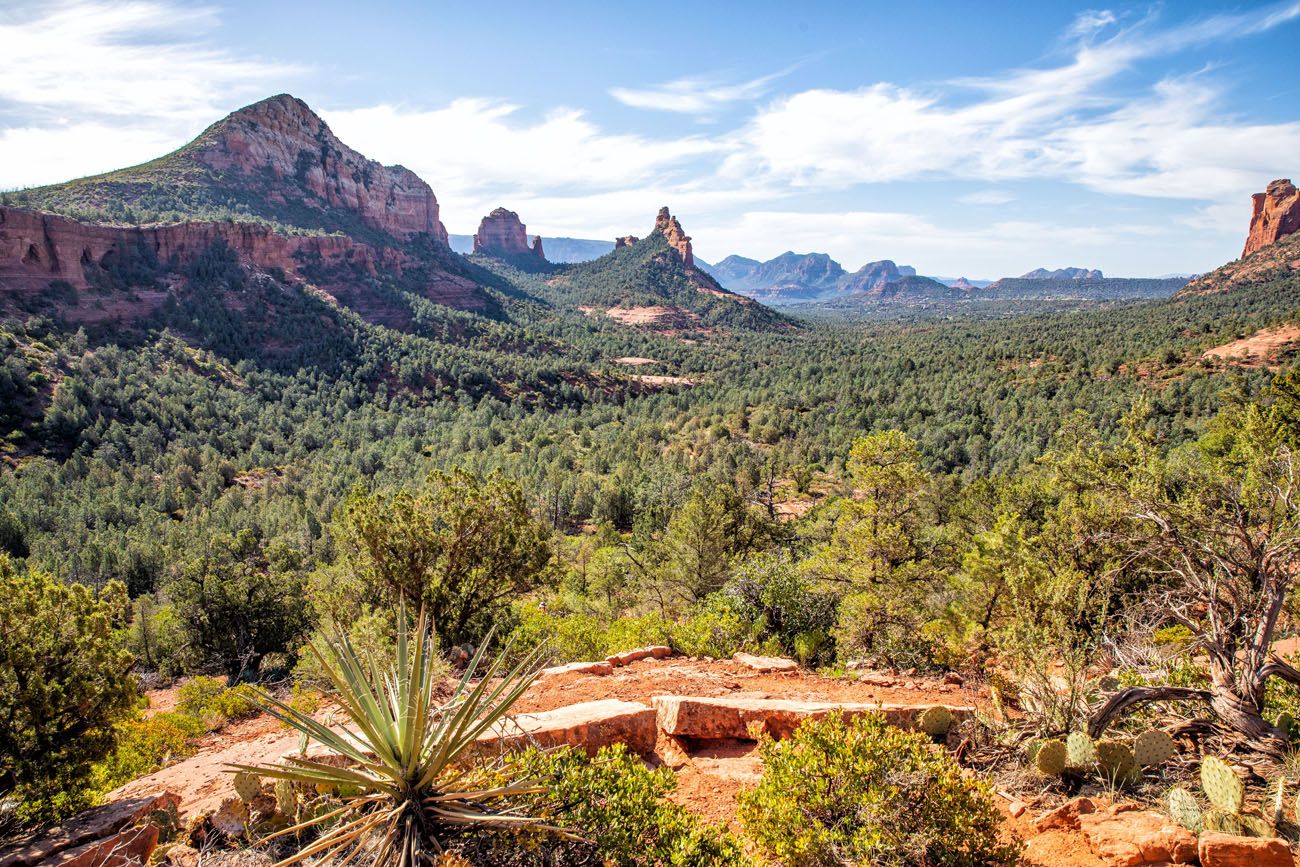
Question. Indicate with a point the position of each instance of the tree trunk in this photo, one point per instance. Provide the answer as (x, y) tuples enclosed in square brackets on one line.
[(1132, 696)]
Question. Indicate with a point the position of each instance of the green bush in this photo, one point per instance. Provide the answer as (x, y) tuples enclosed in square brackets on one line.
[(65, 684), (714, 629), (144, 746), (617, 805), (777, 598), (211, 702), (864, 792)]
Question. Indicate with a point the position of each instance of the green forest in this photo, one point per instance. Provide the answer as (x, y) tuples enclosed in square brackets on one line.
[(1005, 494)]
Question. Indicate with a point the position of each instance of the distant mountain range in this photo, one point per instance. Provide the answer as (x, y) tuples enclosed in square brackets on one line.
[(1063, 274), (794, 278)]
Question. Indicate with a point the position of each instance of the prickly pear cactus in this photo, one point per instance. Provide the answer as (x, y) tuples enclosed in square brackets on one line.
[(1153, 748), (935, 721), (1116, 761), (231, 818), (1224, 822), (248, 786), (1185, 810), (1221, 785), (1051, 760), (1081, 754), (286, 799)]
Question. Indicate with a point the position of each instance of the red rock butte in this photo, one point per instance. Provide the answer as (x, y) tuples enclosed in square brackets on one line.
[(666, 224), (501, 233), (1275, 215)]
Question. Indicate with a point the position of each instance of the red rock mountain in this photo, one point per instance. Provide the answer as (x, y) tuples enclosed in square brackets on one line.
[(272, 182), (501, 233), (666, 224), (1275, 215), (275, 159)]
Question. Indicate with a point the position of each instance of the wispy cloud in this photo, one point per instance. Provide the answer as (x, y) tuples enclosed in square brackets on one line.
[(1056, 122), (125, 60), (98, 85), (694, 95)]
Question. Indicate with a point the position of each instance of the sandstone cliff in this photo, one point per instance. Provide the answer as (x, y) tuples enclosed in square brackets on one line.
[(502, 234), (36, 249), (1276, 214)]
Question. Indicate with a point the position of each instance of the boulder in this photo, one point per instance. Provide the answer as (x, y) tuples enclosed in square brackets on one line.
[(1128, 838), (1066, 816), (590, 725), (98, 824), (765, 663), (128, 848), (1226, 850), (628, 657), (596, 668), (710, 718)]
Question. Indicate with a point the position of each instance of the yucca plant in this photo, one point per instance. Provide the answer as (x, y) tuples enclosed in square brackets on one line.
[(408, 789)]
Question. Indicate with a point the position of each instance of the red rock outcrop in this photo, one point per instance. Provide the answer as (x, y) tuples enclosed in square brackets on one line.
[(625, 241), (501, 233), (286, 152), (1275, 215), (666, 224), (37, 248)]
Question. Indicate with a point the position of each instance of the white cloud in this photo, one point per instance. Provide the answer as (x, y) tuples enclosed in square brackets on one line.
[(986, 197), (102, 85), (1055, 122), (693, 95), (478, 153), (1091, 20), (129, 60)]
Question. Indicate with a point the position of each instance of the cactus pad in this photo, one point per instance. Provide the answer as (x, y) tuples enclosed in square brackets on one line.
[(1081, 754), (1221, 785), (1153, 748), (286, 799), (247, 786), (1050, 759), (1116, 761), (1185, 810), (935, 721)]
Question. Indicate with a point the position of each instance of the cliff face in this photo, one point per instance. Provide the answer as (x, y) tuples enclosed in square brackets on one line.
[(282, 149), (501, 233), (36, 249), (1276, 214)]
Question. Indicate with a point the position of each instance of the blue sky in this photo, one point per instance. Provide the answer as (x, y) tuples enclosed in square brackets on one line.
[(977, 139)]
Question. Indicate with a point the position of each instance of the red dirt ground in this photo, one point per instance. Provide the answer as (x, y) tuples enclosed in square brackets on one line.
[(708, 784)]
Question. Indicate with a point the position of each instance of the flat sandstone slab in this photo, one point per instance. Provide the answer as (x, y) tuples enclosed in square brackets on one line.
[(590, 725), (706, 718)]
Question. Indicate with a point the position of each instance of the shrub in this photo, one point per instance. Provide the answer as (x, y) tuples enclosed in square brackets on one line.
[(618, 806), (144, 746), (770, 592), (211, 702), (864, 792), (64, 686), (714, 629)]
